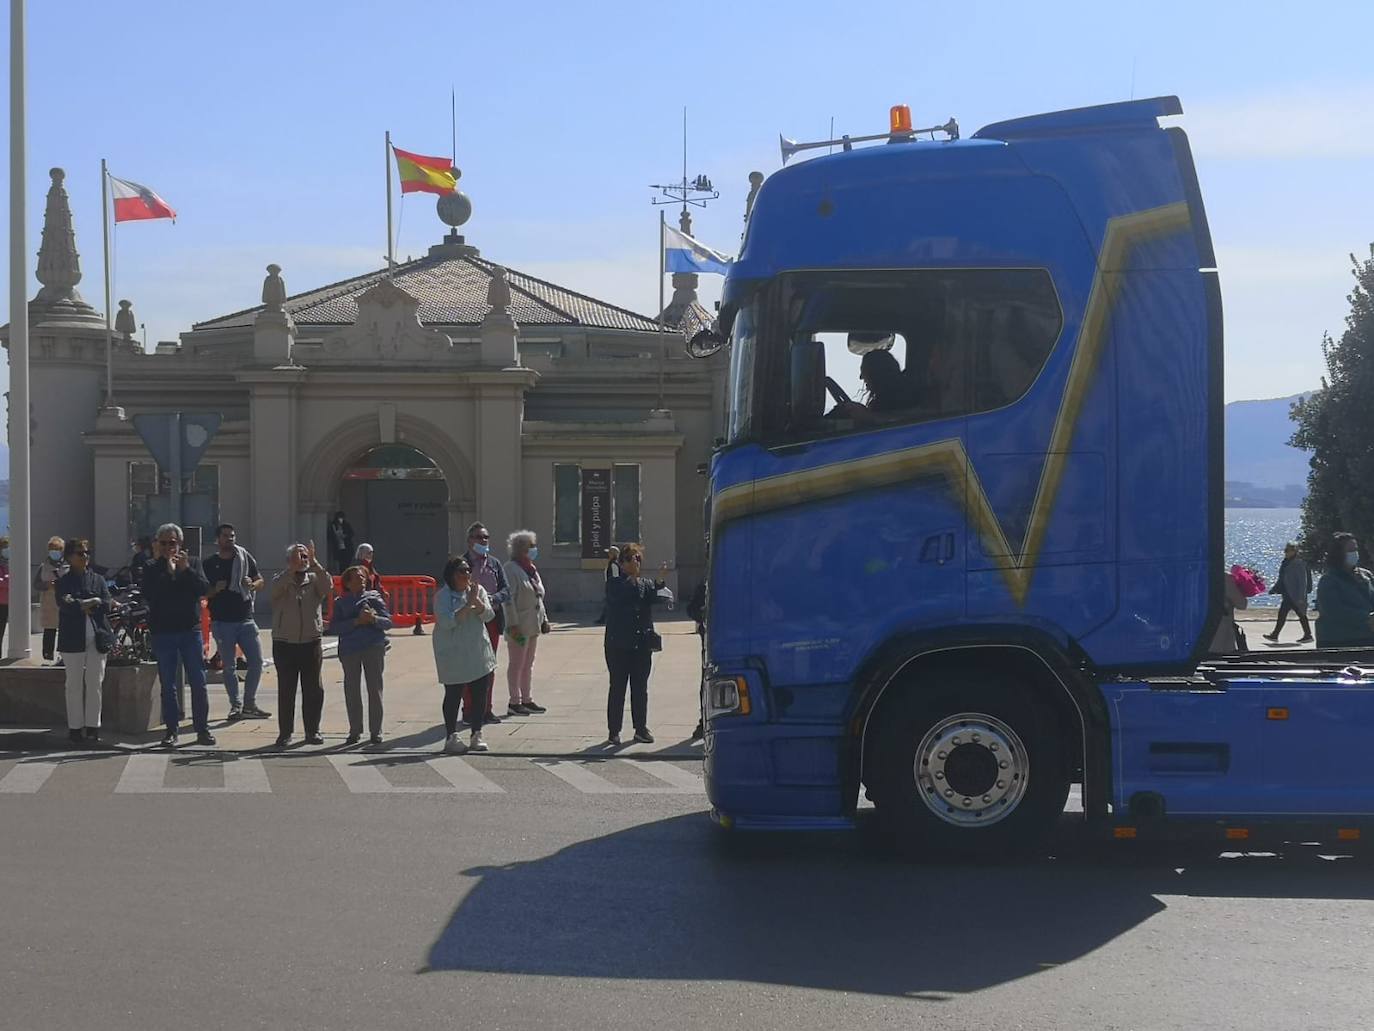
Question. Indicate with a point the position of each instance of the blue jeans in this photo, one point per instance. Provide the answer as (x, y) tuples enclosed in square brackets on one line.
[(183, 647), (229, 636)]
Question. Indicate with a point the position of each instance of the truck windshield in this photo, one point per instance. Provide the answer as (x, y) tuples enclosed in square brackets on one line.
[(905, 345)]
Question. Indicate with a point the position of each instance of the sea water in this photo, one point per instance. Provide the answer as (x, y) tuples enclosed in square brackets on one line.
[(1255, 537)]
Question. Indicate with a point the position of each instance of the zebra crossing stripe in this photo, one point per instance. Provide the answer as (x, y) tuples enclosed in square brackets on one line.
[(363, 777), (147, 775), (580, 776), (26, 777)]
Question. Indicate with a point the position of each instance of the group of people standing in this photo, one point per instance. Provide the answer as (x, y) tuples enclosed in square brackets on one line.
[(480, 602)]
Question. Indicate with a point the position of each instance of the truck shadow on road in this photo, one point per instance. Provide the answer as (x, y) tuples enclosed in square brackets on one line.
[(670, 900)]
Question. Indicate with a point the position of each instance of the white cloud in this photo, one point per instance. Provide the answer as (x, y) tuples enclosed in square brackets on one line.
[(1303, 122)]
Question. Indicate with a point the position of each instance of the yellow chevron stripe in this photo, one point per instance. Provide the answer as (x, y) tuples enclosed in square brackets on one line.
[(948, 460)]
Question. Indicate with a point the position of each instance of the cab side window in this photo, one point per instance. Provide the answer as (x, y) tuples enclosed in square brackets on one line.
[(865, 349)]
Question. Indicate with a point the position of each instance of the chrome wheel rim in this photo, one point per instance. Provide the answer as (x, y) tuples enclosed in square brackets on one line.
[(971, 770)]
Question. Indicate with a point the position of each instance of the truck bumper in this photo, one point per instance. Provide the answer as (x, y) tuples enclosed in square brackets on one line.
[(774, 777)]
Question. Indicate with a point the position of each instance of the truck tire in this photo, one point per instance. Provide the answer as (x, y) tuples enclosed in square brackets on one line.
[(973, 771)]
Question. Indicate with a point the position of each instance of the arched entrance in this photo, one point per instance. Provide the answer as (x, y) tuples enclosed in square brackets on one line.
[(396, 497)]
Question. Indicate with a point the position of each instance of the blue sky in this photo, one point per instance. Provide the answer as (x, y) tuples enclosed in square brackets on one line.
[(263, 124)]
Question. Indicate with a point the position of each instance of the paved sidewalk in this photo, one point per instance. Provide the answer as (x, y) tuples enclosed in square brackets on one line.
[(569, 679)]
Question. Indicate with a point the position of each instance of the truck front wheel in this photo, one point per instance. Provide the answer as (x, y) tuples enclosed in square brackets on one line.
[(973, 771)]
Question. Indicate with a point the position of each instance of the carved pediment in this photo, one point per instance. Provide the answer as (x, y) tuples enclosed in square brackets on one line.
[(387, 328)]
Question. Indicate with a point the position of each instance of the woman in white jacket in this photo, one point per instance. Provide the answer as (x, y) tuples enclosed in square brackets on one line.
[(526, 620)]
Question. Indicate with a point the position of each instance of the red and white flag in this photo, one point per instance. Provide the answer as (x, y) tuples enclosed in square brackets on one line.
[(133, 202)]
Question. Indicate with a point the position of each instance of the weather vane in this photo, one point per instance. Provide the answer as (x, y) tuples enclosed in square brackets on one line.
[(688, 191)]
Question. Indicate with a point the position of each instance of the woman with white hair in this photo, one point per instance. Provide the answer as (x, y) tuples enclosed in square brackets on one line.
[(44, 582), (363, 557), (526, 620)]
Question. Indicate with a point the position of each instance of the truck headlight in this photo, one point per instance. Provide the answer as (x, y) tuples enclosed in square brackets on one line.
[(727, 696)]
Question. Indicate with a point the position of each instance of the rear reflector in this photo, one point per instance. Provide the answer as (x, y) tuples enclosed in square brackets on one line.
[(1348, 834), (1236, 833), (1123, 832), (1276, 713)]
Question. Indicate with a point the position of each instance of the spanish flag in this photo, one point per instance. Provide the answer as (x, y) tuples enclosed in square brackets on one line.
[(420, 174)]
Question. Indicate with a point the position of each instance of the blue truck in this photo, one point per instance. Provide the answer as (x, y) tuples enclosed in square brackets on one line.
[(1001, 576)]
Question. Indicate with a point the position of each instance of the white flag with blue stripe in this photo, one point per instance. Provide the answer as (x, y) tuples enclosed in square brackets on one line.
[(683, 254)]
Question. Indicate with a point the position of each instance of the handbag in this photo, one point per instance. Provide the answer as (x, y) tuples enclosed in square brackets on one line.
[(104, 639)]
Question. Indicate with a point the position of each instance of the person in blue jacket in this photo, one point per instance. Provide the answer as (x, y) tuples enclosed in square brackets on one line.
[(361, 620), (1345, 598)]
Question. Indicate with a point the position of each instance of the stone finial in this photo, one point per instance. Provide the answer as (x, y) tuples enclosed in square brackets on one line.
[(274, 289), (684, 221), (125, 324), (500, 336), (498, 291), (59, 264)]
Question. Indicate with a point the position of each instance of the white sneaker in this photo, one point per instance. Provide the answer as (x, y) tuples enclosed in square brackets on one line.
[(476, 744), (454, 745)]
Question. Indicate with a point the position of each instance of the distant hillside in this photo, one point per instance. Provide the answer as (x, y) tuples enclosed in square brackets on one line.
[(1257, 451)]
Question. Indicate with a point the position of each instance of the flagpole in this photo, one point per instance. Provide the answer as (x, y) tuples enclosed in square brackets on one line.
[(21, 547), (453, 120), (662, 271), (390, 251), (109, 325)]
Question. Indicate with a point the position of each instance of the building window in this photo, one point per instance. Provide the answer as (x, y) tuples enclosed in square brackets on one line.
[(625, 504), (567, 504), (143, 478)]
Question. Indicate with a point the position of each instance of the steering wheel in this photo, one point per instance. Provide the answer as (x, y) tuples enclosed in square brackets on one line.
[(836, 392)]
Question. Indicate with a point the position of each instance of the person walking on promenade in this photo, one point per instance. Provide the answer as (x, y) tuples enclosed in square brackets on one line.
[(630, 643), (340, 541), (1229, 638), (298, 591), (486, 571), (1345, 597), (361, 620), (1293, 585), (4, 587), (463, 654), (49, 570), (234, 582), (83, 637), (173, 584), (526, 620)]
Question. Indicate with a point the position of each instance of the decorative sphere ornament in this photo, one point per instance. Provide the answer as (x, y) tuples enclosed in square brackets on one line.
[(454, 208)]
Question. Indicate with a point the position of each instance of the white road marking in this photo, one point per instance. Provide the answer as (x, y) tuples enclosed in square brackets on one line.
[(362, 777), (147, 774), (27, 776), (580, 776)]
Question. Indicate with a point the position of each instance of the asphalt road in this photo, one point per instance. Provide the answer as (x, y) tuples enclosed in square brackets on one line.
[(589, 895)]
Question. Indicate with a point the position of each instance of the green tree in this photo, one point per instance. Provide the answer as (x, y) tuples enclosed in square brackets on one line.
[(1337, 425)]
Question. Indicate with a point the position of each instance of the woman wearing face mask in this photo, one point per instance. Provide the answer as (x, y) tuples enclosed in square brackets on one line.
[(463, 655), (49, 570), (1345, 598), (84, 638), (4, 586), (525, 620)]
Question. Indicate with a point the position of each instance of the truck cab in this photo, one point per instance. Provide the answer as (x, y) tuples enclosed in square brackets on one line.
[(924, 592)]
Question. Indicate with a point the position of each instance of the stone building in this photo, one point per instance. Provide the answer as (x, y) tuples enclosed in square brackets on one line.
[(416, 400)]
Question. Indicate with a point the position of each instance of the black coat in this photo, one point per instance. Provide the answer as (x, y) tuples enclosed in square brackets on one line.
[(71, 619), (629, 611)]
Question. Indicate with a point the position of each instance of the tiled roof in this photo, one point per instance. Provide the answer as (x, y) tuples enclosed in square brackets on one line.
[(452, 290)]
